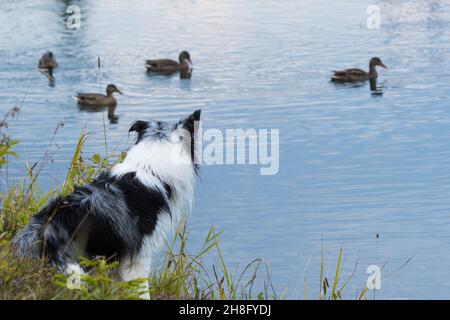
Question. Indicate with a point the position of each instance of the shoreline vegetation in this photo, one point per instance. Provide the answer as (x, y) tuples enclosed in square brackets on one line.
[(181, 275)]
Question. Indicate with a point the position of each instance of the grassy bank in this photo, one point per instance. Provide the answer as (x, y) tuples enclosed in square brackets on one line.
[(183, 273)]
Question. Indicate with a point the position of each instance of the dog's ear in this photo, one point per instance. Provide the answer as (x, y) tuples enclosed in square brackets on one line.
[(196, 115), (139, 126), (189, 122)]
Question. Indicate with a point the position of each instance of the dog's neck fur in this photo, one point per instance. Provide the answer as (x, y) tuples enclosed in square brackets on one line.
[(157, 163)]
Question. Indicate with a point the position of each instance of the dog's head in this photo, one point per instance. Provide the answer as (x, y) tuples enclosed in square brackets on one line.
[(169, 134)]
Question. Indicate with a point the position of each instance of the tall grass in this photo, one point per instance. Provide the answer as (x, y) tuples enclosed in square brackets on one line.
[(338, 285), (186, 276)]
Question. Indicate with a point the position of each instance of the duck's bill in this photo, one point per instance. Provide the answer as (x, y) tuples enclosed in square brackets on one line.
[(382, 65), (118, 91)]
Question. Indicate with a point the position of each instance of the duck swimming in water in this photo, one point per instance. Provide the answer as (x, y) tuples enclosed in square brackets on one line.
[(95, 99), (168, 67), (47, 63), (357, 75)]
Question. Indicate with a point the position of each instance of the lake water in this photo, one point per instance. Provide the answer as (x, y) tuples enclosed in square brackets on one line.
[(353, 164)]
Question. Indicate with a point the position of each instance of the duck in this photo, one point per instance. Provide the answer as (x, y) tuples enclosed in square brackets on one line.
[(358, 75), (95, 99), (47, 63), (168, 67)]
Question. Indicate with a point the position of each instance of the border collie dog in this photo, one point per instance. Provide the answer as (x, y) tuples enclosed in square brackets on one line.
[(126, 213)]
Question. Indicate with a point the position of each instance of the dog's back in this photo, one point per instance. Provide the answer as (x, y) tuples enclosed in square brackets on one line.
[(109, 217), (124, 214)]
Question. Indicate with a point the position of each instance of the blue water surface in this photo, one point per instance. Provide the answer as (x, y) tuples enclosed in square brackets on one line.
[(353, 164)]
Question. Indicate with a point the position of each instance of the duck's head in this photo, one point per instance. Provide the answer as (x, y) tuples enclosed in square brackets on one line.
[(48, 61), (111, 88), (185, 56), (375, 61)]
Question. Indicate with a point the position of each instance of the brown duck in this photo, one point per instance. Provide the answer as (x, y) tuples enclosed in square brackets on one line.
[(47, 63), (357, 75), (95, 99), (167, 66)]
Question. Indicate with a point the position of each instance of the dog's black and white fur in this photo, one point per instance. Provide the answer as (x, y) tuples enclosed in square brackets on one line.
[(126, 213)]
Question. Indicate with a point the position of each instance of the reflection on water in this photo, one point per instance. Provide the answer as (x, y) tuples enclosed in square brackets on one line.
[(354, 161), (110, 110), (183, 75), (375, 89), (49, 75)]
